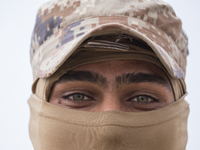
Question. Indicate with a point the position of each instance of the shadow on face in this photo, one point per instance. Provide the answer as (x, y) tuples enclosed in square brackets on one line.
[(122, 85)]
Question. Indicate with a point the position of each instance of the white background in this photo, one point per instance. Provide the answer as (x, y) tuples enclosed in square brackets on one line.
[(17, 18)]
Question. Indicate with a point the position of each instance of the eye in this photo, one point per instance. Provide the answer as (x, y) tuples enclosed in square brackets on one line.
[(77, 97), (143, 99)]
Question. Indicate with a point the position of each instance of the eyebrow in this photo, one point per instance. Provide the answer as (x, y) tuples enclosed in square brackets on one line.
[(96, 78), (86, 76), (141, 78)]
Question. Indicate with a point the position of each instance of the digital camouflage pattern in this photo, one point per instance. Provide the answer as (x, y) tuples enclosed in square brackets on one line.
[(62, 25)]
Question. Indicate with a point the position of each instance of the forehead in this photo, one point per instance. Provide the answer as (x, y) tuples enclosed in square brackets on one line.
[(118, 67)]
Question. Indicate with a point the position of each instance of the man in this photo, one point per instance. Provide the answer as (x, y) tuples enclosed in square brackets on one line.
[(108, 75)]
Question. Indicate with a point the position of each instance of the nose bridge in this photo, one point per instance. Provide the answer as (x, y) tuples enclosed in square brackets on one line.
[(111, 102)]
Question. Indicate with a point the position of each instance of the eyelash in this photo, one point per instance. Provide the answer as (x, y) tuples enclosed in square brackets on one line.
[(71, 99), (149, 97)]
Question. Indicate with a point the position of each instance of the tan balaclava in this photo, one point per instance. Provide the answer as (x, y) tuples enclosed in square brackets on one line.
[(72, 33)]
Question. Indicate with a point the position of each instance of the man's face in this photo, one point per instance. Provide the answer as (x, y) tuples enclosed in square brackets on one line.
[(125, 85)]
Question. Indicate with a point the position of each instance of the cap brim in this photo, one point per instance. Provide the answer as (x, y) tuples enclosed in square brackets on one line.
[(162, 45)]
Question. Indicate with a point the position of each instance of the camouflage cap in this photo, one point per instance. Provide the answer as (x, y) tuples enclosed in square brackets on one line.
[(62, 25)]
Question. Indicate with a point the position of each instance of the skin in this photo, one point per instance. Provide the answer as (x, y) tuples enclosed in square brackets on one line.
[(122, 85)]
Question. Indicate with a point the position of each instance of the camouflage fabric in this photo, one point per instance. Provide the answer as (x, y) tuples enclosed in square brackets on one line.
[(62, 25)]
